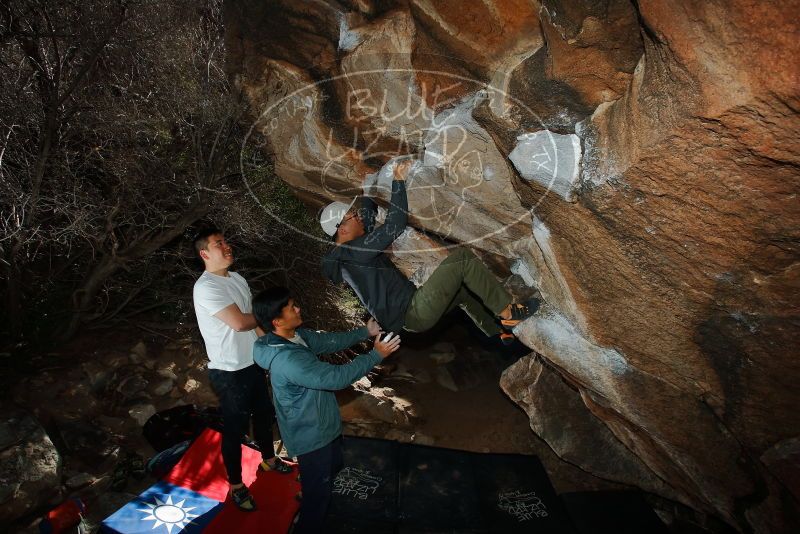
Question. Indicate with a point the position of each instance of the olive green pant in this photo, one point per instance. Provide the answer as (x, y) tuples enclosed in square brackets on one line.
[(461, 280)]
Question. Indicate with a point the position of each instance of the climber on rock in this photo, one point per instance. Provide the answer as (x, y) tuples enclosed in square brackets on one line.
[(461, 280)]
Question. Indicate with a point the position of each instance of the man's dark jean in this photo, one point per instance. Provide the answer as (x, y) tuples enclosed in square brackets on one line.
[(243, 394), (317, 472)]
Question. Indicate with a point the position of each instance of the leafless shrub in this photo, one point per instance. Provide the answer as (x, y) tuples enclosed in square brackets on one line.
[(118, 131)]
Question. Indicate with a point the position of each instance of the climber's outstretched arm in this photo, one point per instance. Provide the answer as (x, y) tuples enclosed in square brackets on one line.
[(396, 220), (368, 212), (369, 208)]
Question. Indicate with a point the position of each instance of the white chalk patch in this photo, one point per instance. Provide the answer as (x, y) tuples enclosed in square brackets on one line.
[(550, 159), (521, 268), (379, 184), (552, 335), (348, 39)]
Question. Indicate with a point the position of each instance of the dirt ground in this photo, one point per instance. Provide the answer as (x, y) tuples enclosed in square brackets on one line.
[(480, 417), (57, 388)]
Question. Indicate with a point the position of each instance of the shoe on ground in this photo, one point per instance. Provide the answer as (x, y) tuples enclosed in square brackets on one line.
[(243, 500), (279, 466), (136, 466), (521, 311), (119, 479)]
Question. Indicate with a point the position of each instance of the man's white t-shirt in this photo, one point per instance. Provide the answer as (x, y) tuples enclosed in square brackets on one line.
[(227, 349)]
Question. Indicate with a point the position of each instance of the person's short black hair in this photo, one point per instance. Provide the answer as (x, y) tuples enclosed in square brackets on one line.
[(268, 304), (200, 241)]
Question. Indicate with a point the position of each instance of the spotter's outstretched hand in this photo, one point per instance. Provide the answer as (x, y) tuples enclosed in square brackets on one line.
[(387, 345)]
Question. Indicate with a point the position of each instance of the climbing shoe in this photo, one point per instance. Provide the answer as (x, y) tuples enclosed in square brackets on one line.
[(278, 465), (520, 312), (507, 338), (242, 499)]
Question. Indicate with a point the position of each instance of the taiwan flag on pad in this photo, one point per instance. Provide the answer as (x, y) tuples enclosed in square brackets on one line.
[(193, 497), (164, 508)]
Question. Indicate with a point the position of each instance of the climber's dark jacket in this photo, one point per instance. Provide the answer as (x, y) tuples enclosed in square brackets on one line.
[(362, 263)]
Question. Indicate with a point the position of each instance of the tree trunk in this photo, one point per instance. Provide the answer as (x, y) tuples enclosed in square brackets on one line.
[(13, 296), (84, 297)]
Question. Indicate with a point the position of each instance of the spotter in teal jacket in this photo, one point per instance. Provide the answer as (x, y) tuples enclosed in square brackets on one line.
[(303, 386)]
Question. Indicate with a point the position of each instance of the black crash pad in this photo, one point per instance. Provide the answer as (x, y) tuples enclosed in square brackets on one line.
[(518, 496), (365, 490), (612, 512), (438, 490), (389, 487)]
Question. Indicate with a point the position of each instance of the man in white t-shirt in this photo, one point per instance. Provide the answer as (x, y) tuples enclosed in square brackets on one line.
[(222, 302)]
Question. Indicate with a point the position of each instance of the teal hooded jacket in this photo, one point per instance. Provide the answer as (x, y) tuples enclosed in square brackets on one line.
[(303, 386)]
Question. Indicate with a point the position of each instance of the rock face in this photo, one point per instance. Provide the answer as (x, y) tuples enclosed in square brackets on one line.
[(665, 243), (29, 465), (558, 415)]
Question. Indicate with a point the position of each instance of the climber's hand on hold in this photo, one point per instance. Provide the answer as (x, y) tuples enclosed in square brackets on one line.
[(373, 328), (401, 170)]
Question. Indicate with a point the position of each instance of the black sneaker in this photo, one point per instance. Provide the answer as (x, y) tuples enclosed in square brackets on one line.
[(279, 467), (243, 500), (520, 312)]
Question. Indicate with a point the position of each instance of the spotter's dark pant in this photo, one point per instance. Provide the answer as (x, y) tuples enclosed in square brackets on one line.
[(243, 395), (317, 472)]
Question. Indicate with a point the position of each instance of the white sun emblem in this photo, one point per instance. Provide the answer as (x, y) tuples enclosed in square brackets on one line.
[(168, 514)]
